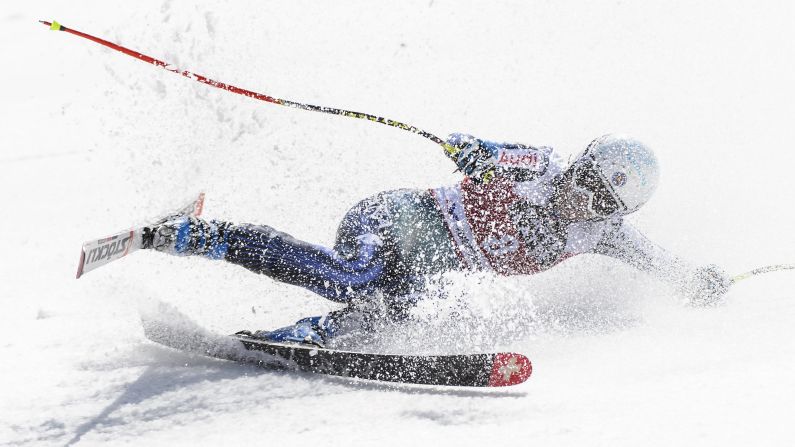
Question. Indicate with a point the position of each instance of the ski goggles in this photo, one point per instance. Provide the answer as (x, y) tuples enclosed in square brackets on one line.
[(600, 199)]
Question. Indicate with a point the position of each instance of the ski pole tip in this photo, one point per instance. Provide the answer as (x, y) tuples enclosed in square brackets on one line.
[(55, 26)]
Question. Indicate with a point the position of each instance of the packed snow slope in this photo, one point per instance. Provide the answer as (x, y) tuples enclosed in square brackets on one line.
[(94, 141)]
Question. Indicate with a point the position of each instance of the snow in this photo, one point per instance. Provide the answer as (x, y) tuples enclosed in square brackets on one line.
[(94, 141)]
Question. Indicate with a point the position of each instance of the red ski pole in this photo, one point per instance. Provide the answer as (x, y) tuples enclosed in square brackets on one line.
[(55, 26)]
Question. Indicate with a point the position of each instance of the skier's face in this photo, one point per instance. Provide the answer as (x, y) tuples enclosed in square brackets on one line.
[(581, 195), (571, 203)]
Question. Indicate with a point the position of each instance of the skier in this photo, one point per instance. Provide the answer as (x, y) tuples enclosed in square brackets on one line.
[(517, 211)]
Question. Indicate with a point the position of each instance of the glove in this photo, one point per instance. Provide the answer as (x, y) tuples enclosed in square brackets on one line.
[(708, 285), (473, 158)]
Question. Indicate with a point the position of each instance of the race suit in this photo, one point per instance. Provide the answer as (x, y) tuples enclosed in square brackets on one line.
[(387, 244)]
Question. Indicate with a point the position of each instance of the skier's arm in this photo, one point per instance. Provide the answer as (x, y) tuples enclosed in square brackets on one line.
[(483, 160), (702, 285)]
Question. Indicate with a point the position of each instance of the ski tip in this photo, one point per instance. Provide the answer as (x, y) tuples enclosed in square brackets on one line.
[(82, 263), (509, 369), (199, 207)]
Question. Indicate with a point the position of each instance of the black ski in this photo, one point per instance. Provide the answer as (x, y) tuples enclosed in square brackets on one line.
[(477, 370), (165, 325)]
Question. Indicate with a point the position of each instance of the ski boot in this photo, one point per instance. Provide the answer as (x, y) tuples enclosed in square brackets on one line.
[(344, 328), (187, 235), (315, 331)]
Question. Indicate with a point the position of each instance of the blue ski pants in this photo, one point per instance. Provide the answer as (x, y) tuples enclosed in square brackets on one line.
[(385, 244)]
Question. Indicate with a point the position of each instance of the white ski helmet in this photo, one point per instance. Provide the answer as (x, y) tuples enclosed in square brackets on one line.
[(627, 167)]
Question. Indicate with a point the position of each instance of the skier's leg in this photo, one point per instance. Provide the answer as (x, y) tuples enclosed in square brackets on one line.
[(325, 271), (354, 268), (405, 225), (358, 265)]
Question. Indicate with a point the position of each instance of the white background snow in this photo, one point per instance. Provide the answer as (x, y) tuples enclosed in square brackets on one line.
[(93, 141)]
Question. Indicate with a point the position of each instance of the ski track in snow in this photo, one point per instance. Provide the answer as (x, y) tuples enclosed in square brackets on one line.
[(94, 141)]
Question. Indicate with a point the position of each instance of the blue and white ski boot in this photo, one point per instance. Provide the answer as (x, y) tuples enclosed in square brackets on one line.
[(187, 235), (344, 328), (316, 331)]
